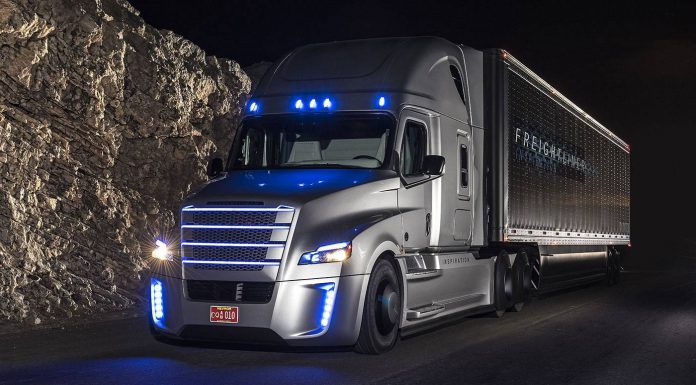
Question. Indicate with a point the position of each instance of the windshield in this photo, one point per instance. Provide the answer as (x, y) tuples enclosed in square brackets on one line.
[(346, 140)]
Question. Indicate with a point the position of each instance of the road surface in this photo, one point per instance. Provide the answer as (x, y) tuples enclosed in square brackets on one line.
[(640, 332)]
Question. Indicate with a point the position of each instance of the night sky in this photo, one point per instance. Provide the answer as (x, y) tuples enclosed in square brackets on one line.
[(631, 67)]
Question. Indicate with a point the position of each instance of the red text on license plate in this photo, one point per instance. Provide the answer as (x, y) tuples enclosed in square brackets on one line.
[(224, 314)]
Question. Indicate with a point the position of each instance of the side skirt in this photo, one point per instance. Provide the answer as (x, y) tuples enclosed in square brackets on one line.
[(452, 318)]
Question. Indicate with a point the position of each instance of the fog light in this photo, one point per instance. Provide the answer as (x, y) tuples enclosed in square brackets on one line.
[(329, 299), (157, 301), (325, 308), (162, 251)]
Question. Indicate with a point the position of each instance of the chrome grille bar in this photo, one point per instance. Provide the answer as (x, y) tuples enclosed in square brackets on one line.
[(234, 238)]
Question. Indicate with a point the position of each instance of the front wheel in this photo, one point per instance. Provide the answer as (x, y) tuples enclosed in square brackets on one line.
[(382, 311)]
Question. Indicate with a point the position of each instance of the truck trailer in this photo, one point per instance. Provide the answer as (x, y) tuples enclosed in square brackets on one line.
[(379, 187)]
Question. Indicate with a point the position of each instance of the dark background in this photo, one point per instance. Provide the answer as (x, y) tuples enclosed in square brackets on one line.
[(630, 66)]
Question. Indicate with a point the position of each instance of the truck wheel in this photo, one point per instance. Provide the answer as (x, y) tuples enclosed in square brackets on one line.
[(613, 267), (382, 311), (617, 265), (522, 281), (502, 295)]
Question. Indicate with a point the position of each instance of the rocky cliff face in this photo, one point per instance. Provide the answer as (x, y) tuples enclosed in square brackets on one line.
[(105, 124)]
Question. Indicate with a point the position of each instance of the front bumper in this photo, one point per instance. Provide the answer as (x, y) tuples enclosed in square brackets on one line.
[(293, 316)]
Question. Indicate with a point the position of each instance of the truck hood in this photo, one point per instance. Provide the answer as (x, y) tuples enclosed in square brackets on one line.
[(290, 186)]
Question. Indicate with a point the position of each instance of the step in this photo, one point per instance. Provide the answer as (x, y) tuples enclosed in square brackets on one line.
[(424, 311), (415, 274)]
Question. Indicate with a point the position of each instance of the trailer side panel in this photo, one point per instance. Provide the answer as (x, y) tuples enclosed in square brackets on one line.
[(565, 177)]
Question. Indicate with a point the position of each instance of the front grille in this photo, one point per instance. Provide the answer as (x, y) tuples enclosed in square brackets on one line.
[(227, 291), (232, 217), (231, 235), (210, 266), (234, 238), (235, 203), (207, 253)]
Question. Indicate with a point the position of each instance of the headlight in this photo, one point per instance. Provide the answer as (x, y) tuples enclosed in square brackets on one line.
[(162, 251), (337, 252)]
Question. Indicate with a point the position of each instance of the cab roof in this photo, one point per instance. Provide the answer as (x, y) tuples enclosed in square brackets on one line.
[(415, 70)]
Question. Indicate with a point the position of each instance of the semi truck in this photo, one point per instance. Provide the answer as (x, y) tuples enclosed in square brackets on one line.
[(379, 187)]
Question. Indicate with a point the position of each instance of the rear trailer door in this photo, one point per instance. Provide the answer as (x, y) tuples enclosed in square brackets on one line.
[(558, 176)]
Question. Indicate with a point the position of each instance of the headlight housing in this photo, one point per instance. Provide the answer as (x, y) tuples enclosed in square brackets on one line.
[(336, 252)]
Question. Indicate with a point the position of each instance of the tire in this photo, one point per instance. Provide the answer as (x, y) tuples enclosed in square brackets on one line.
[(617, 265), (502, 294), (522, 281), (613, 267), (381, 317)]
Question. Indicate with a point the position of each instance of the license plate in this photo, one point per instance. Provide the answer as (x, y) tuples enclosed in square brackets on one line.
[(224, 314)]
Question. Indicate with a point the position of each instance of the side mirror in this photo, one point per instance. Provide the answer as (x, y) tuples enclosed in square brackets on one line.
[(215, 167), (433, 165)]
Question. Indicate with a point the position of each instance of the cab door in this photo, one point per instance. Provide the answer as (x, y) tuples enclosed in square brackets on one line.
[(415, 194)]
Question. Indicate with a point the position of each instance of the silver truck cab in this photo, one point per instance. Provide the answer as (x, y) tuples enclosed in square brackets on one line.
[(350, 209)]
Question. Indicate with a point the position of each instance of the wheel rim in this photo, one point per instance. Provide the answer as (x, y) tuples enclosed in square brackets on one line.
[(387, 307)]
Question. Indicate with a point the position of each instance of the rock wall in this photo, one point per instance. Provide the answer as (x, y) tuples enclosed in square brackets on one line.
[(105, 124)]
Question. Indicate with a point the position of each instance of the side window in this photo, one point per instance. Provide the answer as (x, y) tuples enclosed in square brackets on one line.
[(463, 143), (464, 166), (413, 148), (253, 150), (457, 79)]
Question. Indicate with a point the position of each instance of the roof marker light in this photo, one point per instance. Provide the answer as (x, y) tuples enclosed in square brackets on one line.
[(313, 103), (382, 101), (327, 103), (253, 107), (299, 105)]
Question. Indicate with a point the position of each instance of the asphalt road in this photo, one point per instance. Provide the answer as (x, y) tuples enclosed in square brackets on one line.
[(640, 332)]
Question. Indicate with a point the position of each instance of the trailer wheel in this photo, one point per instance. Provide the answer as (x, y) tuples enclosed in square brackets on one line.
[(613, 267), (618, 256), (522, 281), (502, 295), (382, 311)]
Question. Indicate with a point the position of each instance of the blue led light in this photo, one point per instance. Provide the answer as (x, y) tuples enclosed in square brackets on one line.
[(329, 299), (157, 301), (279, 208), (299, 105), (325, 308), (382, 101), (253, 107), (237, 227), (333, 246), (313, 103), (327, 103)]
